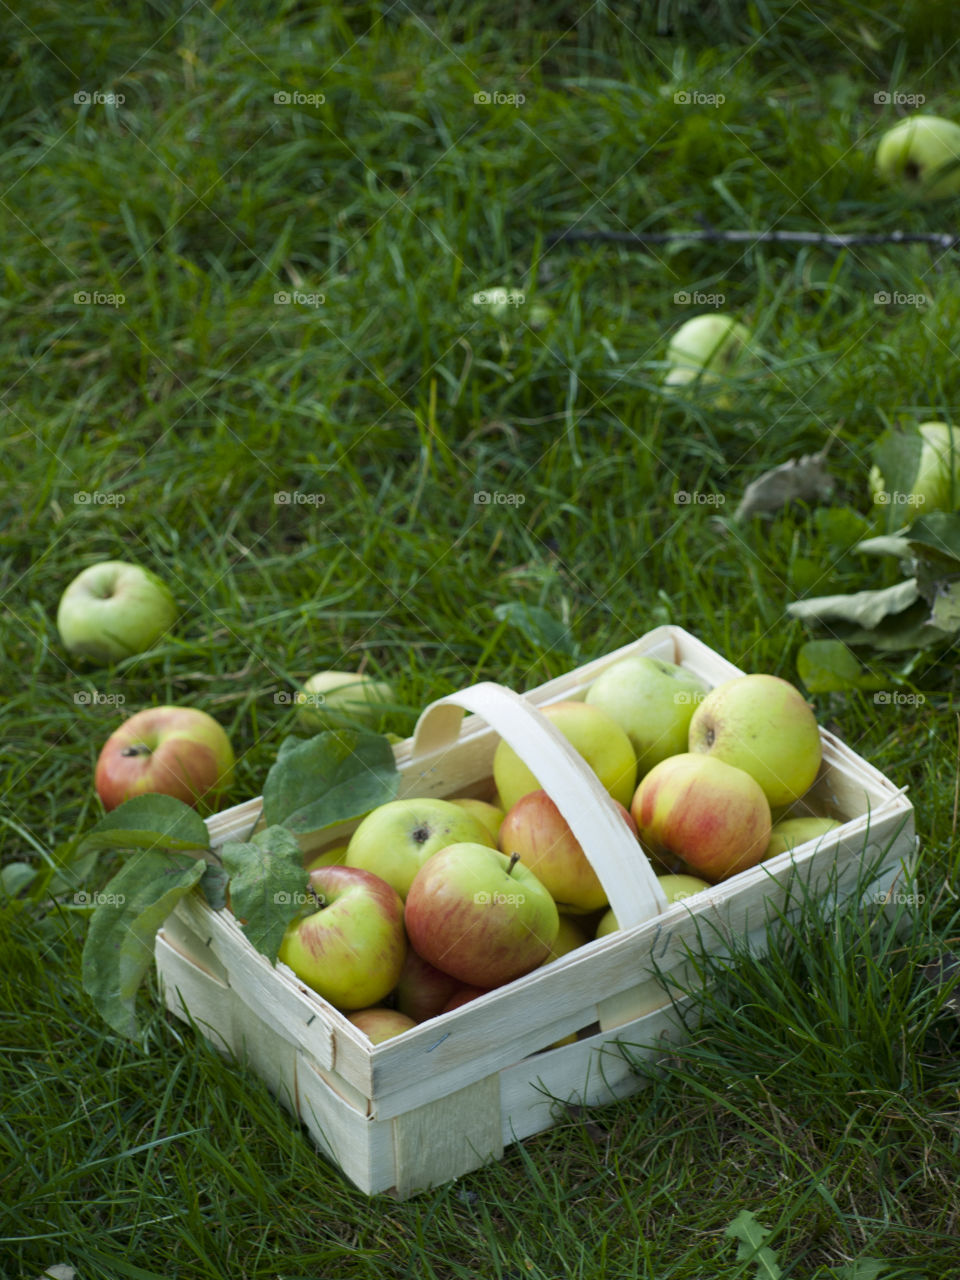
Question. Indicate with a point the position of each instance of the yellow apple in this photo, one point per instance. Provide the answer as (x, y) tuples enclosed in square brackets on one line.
[(489, 814), (791, 832)]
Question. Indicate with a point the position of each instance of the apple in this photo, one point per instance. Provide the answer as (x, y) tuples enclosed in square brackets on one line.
[(379, 1024), (710, 814), (396, 839), (332, 857), (423, 990), (653, 701), (536, 830), (335, 699), (480, 916), (113, 610), (490, 815), (600, 740), (763, 725), (936, 486), (921, 154), (463, 995), (169, 751), (569, 937), (674, 886), (707, 350), (351, 950), (791, 832)]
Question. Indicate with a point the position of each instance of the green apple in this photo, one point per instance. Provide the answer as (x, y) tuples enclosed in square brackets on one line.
[(352, 950), (653, 701), (113, 610), (569, 937), (708, 350), (599, 739), (480, 916), (334, 699), (333, 857), (763, 725), (937, 483), (489, 814), (169, 751), (396, 839), (921, 154), (791, 832), (379, 1024), (674, 886), (710, 814)]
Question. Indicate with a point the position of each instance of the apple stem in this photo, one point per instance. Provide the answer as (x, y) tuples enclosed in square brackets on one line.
[(138, 749), (514, 859)]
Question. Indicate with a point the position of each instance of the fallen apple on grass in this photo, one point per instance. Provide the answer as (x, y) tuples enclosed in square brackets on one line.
[(706, 351), (396, 839), (921, 154), (170, 751), (763, 725), (113, 610), (711, 815), (599, 739), (480, 916), (351, 949), (336, 699), (936, 485), (379, 1024)]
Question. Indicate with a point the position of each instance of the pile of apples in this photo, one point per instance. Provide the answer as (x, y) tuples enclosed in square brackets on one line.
[(433, 903)]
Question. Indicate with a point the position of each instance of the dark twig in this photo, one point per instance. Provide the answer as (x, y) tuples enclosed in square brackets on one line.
[(940, 240)]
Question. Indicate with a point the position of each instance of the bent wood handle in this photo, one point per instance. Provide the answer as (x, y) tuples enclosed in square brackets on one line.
[(621, 865)]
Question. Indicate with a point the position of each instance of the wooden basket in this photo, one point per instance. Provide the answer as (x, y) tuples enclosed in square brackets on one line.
[(448, 1096)]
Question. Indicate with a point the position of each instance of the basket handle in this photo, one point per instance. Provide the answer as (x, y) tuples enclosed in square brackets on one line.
[(619, 861)]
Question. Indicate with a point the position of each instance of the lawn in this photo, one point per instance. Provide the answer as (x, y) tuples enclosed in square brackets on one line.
[(245, 345)]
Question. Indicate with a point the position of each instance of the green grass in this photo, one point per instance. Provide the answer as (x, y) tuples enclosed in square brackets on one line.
[(397, 400)]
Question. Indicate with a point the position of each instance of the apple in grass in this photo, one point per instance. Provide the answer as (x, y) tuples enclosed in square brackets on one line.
[(708, 350), (170, 751), (653, 701), (379, 1024), (936, 485), (711, 815), (396, 839), (599, 739), (423, 990), (113, 610), (480, 916), (921, 154), (536, 830), (335, 699), (763, 725), (351, 949)]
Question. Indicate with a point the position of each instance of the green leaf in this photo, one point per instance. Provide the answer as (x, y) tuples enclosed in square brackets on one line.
[(888, 544), (17, 876), (333, 777), (540, 627), (118, 949), (213, 886), (936, 537), (148, 822), (751, 1236), (268, 884), (897, 454), (828, 666), (909, 630), (862, 1269), (861, 608)]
